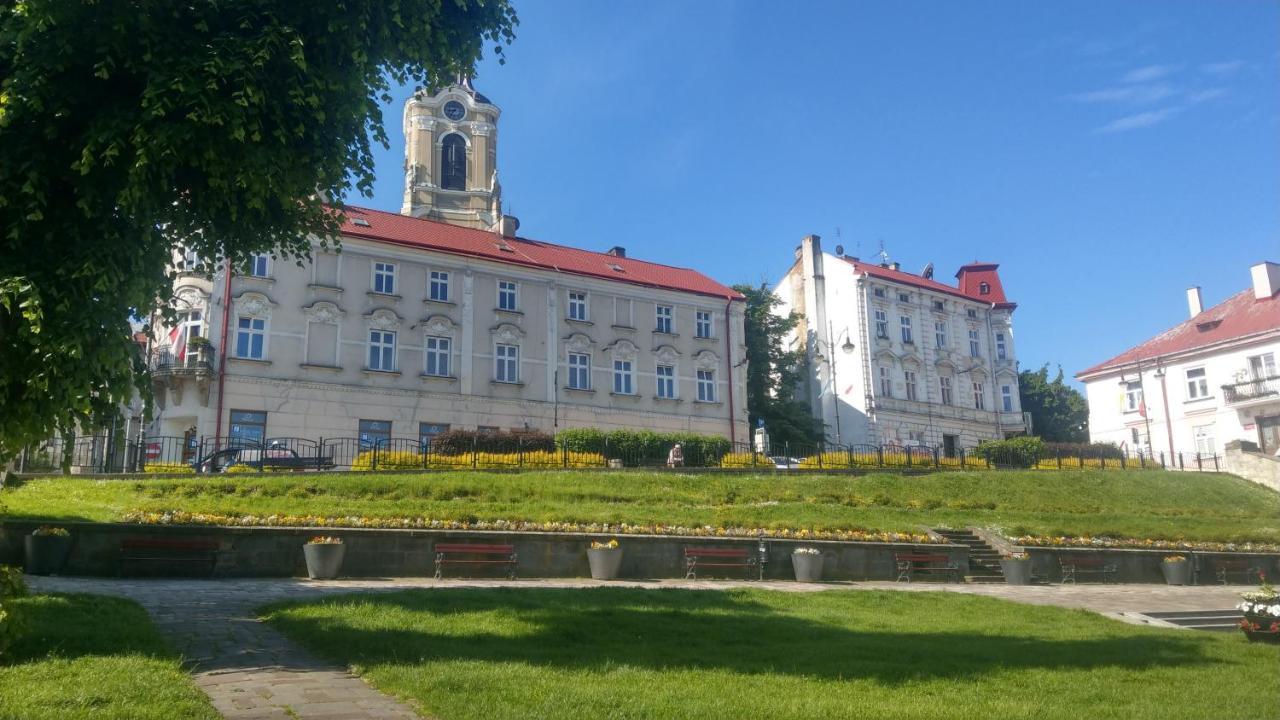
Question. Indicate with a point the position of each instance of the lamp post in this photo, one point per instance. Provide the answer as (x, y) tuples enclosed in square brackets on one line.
[(847, 347)]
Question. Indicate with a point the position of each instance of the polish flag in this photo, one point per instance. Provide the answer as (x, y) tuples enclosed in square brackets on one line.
[(178, 342), (1142, 408)]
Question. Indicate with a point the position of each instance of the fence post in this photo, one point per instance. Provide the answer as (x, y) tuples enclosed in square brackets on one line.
[(786, 452), (374, 455), (1215, 462), (848, 455), (1162, 465), (1081, 453), (908, 457), (1142, 461), (1199, 464), (564, 456), (473, 449), (937, 464), (880, 455), (520, 453), (962, 465), (1122, 462), (822, 450), (1180, 465)]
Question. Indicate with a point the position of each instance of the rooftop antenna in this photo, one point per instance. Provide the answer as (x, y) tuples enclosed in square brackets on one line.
[(839, 247), (884, 256)]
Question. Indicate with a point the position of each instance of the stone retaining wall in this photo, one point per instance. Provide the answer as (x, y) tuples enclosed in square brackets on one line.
[(1143, 566)]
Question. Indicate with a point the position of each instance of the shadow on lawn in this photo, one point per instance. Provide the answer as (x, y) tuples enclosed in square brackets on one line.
[(75, 625), (678, 630)]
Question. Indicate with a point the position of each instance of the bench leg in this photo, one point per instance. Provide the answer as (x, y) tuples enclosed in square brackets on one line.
[(690, 569), (439, 566), (511, 570), (1069, 575)]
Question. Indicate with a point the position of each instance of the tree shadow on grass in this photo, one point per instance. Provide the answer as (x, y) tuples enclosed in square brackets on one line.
[(75, 625), (684, 630)]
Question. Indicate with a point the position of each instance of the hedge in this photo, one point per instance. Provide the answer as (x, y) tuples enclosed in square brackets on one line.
[(458, 442), (640, 446), (1019, 452)]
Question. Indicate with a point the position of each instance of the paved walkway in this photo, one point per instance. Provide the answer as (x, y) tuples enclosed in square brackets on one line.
[(251, 671)]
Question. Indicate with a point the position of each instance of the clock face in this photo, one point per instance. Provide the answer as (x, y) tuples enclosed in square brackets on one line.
[(454, 110)]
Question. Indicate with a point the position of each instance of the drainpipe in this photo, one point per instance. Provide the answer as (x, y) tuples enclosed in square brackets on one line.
[(728, 357), (222, 359), (1168, 414)]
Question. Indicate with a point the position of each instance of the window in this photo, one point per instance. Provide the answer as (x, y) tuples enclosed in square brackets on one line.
[(1006, 398), (662, 317), (882, 324), (940, 334), (577, 306), (886, 382), (250, 335), (384, 278), (666, 382), (1002, 350), (506, 365), (1197, 384), (1137, 440), (191, 262), (438, 289), (973, 343), (878, 292), (984, 288), (905, 322), (623, 377), (707, 385), (374, 433), (453, 162), (258, 264), (1262, 366), (248, 427), (382, 350), (580, 371), (427, 432), (622, 312), (911, 384), (939, 306), (971, 313), (979, 399), (507, 299), (945, 385), (1133, 397), (1203, 435), (903, 297), (703, 329), (437, 356)]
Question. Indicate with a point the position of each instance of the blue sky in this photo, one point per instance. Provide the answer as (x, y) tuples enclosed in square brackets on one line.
[(1107, 155)]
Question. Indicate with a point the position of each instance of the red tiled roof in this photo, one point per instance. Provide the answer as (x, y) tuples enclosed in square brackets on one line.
[(409, 231), (1238, 317), (907, 278)]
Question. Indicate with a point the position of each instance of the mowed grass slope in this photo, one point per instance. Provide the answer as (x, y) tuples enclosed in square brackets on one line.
[(472, 654), (94, 657), (1149, 504)]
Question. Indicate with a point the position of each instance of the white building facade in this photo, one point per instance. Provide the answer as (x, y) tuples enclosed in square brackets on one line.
[(902, 359), (1207, 381)]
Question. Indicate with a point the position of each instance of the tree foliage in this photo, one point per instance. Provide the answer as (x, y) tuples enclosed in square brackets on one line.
[(1059, 412), (129, 127), (773, 372)]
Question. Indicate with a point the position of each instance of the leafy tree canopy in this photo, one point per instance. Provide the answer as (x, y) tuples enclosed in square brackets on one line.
[(1059, 412), (127, 128), (774, 373)]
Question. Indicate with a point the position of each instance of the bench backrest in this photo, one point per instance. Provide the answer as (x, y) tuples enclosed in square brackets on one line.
[(159, 544), (1236, 564), (716, 552), (476, 549), (921, 558), (1084, 562)]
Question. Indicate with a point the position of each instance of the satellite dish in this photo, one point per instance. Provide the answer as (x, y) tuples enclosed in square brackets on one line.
[(927, 273), (839, 250)]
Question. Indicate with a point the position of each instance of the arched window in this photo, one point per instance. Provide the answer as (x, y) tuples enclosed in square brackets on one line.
[(453, 163)]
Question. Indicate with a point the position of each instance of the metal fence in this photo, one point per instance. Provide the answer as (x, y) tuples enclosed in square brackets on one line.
[(105, 455)]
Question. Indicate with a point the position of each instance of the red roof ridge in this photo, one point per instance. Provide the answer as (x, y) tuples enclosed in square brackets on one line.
[(888, 273)]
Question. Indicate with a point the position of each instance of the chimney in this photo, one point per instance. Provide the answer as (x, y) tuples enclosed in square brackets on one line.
[(509, 225), (617, 251), (1193, 301), (1266, 279), (894, 265)]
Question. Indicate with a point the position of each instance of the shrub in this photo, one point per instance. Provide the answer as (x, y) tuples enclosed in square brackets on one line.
[(645, 446), (745, 460), (11, 586), (458, 442), (169, 468), (388, 460), (1019, 452), (1086, 450)]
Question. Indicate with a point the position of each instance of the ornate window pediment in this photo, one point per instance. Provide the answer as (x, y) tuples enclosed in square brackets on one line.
[(885, 355), (667, 355), (506, 333), (706, 360), (439, 325), (253, 304), (189, 298), (623, 350), (323, 312), (383, 319), (578, 343)]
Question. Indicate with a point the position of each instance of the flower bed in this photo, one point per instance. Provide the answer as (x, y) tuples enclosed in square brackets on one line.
[(1141, 544), (169, 468), (532, 460)]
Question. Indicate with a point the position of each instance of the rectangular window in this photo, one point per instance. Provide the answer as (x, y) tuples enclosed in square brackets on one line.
[(878, 292), (507, 299), (939, 306), (971, 313), (905, 322), (974, 350), (439, 286), (1132, 396), (911, 384), (258, 264), (1002, 351), (882, 324), (666, 382), (707, 385), (250, 336), (506, 363), (945, 385), (622, 312), (979, 396), (1203, 435), (1137, 440), (940, 334), (1197, 384), (886, 382), (1006, 398), (248, 427), (427, 432), (623, 377), (438, 353), (578, 306), (382, 350), (903, 297), (662, 317), (384, 278), (1262, 366), (579, 371), (374, 433), (704, 324)]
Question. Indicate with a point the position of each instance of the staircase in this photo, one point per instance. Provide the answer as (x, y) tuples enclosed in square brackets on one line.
[(984, 560), (1212, 620)]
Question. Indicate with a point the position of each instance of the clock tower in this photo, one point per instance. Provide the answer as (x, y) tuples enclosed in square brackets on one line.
[(450, 156)]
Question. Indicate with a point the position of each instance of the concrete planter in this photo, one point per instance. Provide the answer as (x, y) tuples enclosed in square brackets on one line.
[(324, 560), (808, 567), (1016, 572), (45, 554), (1177, 572), (1258, 628), (604, 562)]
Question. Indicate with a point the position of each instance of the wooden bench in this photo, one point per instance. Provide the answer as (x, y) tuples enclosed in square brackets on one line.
[(1071, 567), (202, 554), (696, 558), (909, 564), (1245, 568), (475, 554)]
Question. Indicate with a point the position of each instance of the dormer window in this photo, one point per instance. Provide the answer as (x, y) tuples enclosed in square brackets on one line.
[(984, 288), (453, 163)]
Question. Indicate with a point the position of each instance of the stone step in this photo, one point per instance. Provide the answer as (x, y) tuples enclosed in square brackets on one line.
[(977, 579)]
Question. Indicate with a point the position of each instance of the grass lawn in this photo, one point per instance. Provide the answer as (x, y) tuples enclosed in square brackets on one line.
[(92, 656), (624, 653), (1150, 504)]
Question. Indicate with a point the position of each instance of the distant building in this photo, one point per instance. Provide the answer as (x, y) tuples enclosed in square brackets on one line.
[(1199, 385), (898, 358)]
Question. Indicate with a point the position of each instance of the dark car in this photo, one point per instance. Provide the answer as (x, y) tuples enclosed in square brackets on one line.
[(273, 457)]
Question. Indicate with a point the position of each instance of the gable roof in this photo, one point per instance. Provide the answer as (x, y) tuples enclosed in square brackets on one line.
[(407, 231), (1236, 318), (906, 278)]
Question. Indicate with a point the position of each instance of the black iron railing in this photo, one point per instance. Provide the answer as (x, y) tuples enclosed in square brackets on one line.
[(1252, 389)]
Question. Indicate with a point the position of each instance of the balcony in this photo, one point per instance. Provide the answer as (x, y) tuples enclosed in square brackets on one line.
[(1251, 390), (171, 372)]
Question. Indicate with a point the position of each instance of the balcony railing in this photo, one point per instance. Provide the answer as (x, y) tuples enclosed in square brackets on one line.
[(197, 359), (1252, 389)]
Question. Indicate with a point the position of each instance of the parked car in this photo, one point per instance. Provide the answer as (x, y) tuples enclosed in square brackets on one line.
[(782, 462), (273, 457)]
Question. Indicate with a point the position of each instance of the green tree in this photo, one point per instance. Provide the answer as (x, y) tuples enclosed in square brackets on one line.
[(774, 373), (129, 128), (1059, 412)]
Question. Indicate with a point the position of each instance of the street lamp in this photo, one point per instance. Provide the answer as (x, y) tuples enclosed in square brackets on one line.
[(847, 347)]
